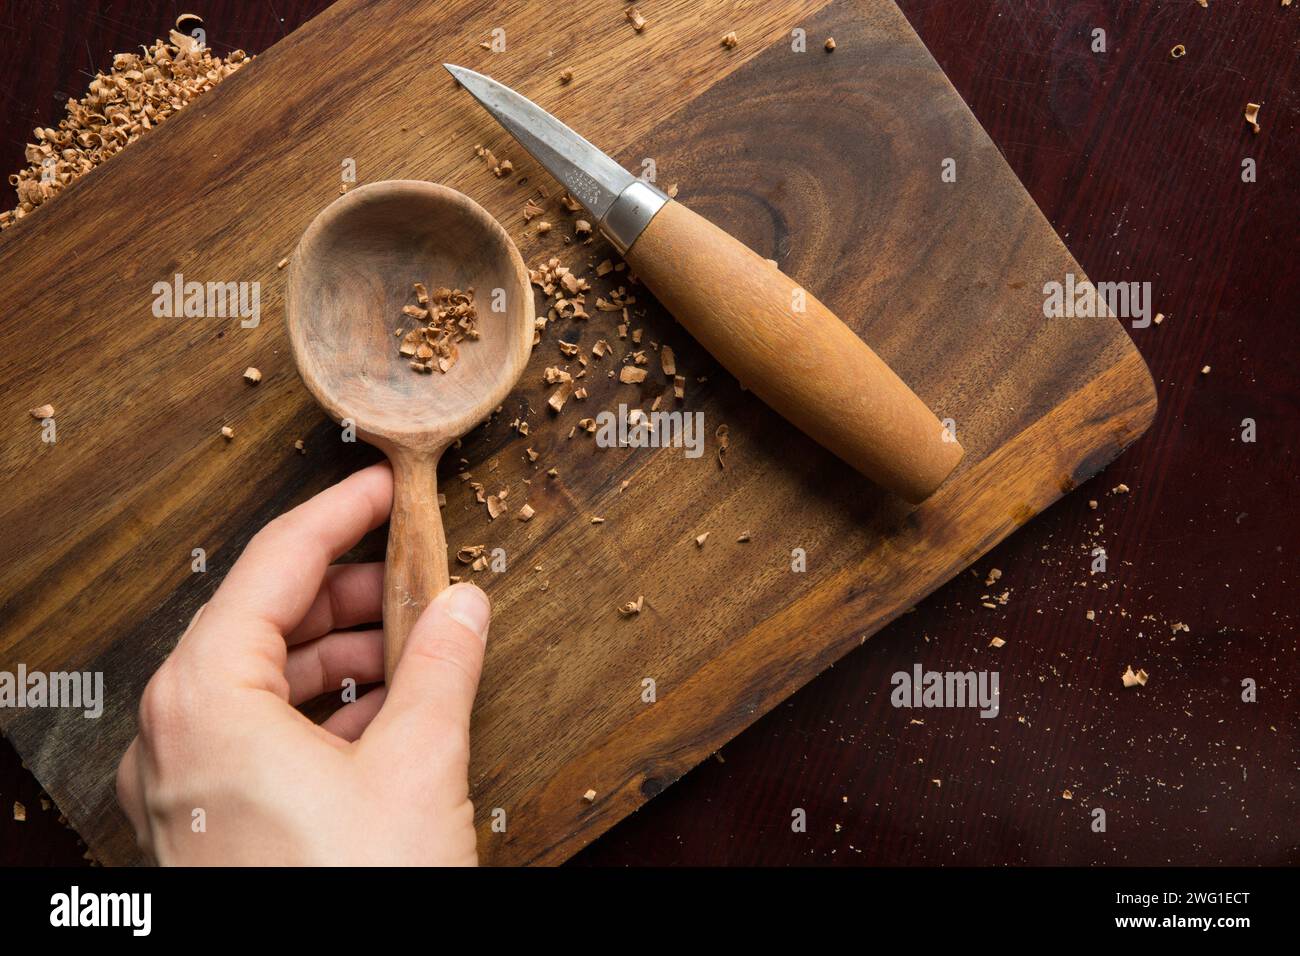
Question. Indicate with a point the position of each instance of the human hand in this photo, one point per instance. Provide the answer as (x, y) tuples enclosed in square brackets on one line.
[(225, 770)]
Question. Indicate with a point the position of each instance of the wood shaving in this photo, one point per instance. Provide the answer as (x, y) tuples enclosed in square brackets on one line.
[(605, 268), (630, 375), (446, 318), (701, 538), (543, 227), (730, 40), (139, 92), (1178, 52), (632, 607), (566, 76), (1134, 679), (569, 203), (997, 642), (722, 435), (560, 396), (1120, 489), (830, 44), (496, 506), (634, 17), (596, 519), (532, 210), (300, 447), (589, 796), (994, 574), (282, 263), (20, 812), (669, 361), (743, 537), (499, 167), (1205, 370), (1160, 317), (679, 386), (526, 512), (252, 375), (41, 412), (1091, 615), (582, 227), (1252, 116), (467, 554), (1067, 795), (227, 432), (566, 289)]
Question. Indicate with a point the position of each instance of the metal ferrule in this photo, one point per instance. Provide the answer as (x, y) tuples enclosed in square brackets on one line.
[(631, 213)]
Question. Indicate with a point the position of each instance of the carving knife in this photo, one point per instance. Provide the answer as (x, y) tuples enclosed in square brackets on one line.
[(776, 338)]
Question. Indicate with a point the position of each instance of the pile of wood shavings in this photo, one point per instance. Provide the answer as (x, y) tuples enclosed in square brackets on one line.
[(138, 93), (448, 318)]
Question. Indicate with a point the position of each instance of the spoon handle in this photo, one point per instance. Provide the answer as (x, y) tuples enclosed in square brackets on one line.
[(416, 567)]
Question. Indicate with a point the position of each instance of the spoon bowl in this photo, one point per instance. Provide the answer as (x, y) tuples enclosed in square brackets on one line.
[(351, 274)]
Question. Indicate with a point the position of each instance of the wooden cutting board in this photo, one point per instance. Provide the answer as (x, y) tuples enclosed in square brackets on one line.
[(828, 162)]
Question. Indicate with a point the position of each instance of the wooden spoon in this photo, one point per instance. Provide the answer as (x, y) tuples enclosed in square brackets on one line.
[(349, 278)]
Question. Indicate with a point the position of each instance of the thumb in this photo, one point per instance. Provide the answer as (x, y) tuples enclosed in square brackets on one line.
[(433, 686)]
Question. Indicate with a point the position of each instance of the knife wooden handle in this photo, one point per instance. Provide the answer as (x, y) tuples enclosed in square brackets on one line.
[(415, 570), (807, 365)]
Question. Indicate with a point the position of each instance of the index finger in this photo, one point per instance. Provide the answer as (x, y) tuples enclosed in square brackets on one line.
[(279, 574)]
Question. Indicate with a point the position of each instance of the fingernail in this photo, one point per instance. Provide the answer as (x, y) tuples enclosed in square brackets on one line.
[(469, 605)]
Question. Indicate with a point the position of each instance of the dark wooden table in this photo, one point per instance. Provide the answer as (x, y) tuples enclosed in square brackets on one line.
[(1137, 160)]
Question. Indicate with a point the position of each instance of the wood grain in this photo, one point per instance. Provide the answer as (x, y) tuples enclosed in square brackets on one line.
[(728, 630)]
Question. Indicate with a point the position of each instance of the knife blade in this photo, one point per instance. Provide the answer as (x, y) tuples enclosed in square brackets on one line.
[(774, 336), (620, 203)]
